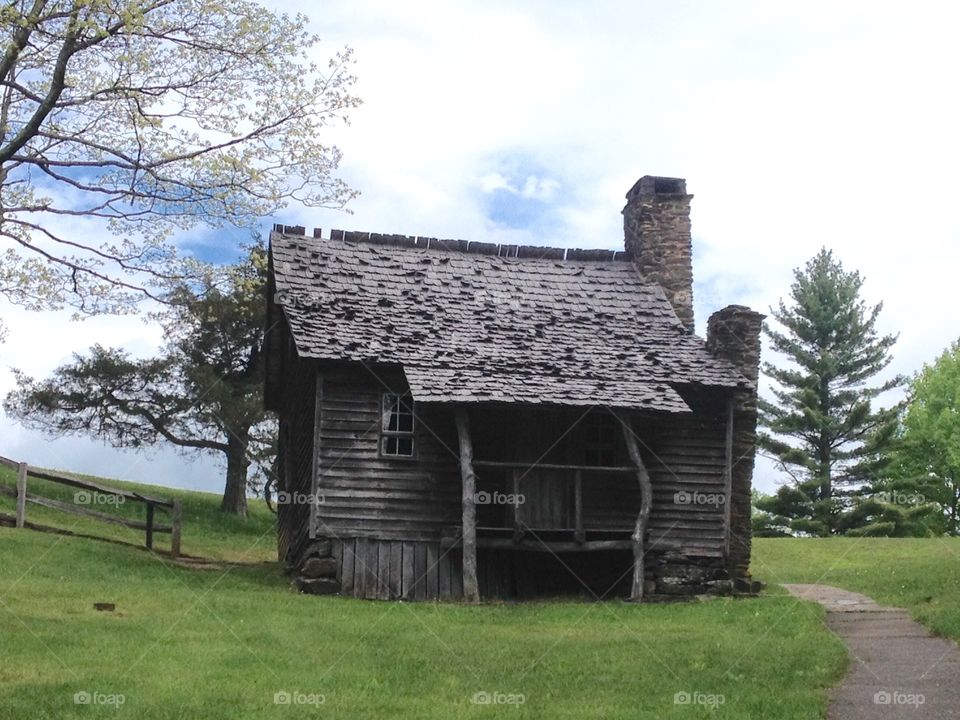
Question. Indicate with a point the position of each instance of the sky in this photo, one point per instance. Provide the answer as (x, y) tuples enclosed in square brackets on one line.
[(796, 125)]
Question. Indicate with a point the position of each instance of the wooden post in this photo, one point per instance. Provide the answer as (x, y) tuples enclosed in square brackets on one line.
[(471, 589), (21, 494), (150, 526), (646, 500), (728, 478), (517, 525), (578, 533), (176, 524)]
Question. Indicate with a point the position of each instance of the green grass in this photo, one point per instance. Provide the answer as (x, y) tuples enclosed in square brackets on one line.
[(204, 644), (206, 531), (921, 574), (213, 644)]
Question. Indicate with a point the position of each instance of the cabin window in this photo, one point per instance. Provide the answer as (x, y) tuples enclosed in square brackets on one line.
[(396, 426), (600, 440)]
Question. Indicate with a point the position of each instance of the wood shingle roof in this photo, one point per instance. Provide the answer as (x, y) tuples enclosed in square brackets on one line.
[(468, 325)]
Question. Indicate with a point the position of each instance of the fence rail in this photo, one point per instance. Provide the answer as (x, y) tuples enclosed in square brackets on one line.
[(150, 527)]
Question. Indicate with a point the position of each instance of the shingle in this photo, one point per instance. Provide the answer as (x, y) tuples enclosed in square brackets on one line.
[(466, 323)]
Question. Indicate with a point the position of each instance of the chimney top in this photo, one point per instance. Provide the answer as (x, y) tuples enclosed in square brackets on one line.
[(653, 185)]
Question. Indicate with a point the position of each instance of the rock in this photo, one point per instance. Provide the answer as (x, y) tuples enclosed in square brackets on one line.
[(317, 586), (684, 573), (747, 585), (677, 586), (720, 587), (315, 567), (319, 548)]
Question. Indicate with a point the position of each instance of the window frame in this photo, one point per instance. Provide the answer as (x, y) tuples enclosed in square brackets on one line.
[(387, 400)]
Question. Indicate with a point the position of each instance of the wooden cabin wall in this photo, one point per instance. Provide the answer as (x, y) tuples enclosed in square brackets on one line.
[(687, 454), (398, 569), (364, 495), (296, 452), (385, 515)]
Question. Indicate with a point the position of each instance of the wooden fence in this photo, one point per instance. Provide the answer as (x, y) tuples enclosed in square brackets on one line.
[(150, 527)]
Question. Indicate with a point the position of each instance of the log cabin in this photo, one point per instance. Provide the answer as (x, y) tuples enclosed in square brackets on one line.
[(468, 420)]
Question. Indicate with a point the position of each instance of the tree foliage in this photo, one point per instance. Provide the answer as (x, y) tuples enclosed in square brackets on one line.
[(145, 117), (925, 463), (202, 393), (821, 425)]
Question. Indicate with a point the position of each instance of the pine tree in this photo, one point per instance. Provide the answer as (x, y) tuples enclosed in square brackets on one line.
[(821, 426)]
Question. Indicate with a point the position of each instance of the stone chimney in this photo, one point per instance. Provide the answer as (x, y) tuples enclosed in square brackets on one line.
[(656, 231), (733, 334)]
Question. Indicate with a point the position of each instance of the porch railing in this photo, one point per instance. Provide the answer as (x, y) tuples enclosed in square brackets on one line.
[(520, 469)]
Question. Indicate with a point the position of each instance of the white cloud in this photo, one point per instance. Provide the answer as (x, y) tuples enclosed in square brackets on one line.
[(796, 126)]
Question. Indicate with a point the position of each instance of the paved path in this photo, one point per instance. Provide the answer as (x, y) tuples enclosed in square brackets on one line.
[(899, 669)]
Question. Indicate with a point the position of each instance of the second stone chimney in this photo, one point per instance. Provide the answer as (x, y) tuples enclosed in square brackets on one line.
[(656, 230)]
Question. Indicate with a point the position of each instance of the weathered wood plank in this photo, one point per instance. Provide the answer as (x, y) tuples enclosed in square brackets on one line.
[(347, 563), (553, 466), (21, 494), (77, 510), (433, 571), (396, 569), (371, 579), (82, 484), (316, 464), (383, 570), (420, 571), (443, 571), (336, 552), (409, 570)]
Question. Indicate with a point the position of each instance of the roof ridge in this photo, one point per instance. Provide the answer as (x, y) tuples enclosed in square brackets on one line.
[(503, 250)]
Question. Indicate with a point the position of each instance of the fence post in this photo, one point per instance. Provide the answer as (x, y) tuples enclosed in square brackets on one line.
[(21, 494), (176, 522), (150, 526)]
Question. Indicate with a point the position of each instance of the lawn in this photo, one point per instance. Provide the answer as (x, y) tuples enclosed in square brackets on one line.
[(921, 574), (230, 642)]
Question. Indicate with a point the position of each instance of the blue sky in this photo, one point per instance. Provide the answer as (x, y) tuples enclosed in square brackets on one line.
[(796, 125)]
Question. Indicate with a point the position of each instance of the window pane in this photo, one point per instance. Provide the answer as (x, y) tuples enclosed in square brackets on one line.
[(389, 446), (404, 446), (389, 400)]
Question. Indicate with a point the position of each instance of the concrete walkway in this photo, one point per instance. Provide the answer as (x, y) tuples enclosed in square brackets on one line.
[(898, 669)]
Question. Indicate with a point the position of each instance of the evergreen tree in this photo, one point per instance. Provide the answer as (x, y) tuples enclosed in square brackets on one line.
[(821, 426), (765, 524)]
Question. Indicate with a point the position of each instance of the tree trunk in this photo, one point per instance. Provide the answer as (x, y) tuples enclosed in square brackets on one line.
[(235, 492)]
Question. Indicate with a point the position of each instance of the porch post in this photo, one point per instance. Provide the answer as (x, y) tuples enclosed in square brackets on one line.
[(471, 591), (646, 500)]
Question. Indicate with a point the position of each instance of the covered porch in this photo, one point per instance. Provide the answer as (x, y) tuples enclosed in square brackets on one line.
[(543, 487)]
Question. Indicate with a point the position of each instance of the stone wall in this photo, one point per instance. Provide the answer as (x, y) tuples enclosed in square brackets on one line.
[(733, 334), (656, 230)]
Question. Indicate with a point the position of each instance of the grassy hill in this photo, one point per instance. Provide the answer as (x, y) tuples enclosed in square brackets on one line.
[(207, 532)]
